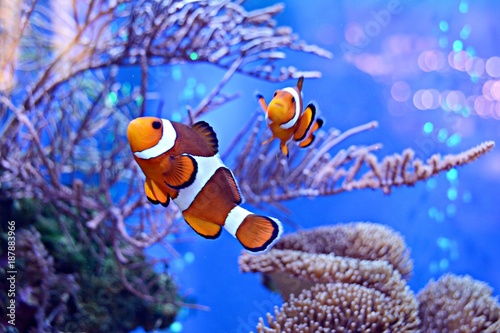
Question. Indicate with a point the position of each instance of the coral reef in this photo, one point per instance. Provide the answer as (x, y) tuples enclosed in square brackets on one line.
[(328, 288), (68, 283), (458, 304), (64, 109)]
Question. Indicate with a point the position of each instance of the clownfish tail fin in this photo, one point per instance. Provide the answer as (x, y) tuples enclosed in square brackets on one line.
[(256, 233)]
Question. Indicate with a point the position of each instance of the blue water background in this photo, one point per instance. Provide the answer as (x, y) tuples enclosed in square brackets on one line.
[(451, 223)]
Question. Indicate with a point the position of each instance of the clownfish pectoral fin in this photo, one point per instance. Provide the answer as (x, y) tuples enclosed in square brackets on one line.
[(181, 172), (207, 133), (300, 82), (154, 194), (202, 227), (284, 148), (310, 138), (304, 123), (258, 233), (268, 140), (262, 101)]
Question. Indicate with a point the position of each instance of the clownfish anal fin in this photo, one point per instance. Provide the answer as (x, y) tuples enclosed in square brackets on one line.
[(310, 138), (154, 194), (208, 134), (304, 123), (258, 233), (181, 172), (202, 227)]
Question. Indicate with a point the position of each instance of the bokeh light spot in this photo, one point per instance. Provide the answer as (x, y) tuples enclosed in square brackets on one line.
[(112, 99), (433, 212), (431, 184), (443, 26), (470, 51), (452, 194), (442, 135), (176, 327), (463, 7), (458, 59), (443, 243), (193, 56), (176, 73), (451, 210), (455, 100), (176, 116), (483, 106), (474, 66), (443, 42), (458, 45), (465, 32), (189, 257), (400, 91), (494, 90), (452, 174), (139, 99), (126, 87), (443, 264), (467, 197), (493, 66), (453, 140), (431, 61), (428, 127)]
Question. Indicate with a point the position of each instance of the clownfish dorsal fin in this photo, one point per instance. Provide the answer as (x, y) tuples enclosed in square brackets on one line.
[(207, 133), (300, 82), (180, 171)]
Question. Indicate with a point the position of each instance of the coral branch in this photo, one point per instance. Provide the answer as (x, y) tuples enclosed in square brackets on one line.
[(314, 172)]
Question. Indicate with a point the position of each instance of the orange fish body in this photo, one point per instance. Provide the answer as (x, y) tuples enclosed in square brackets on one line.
[(181, 163), (286, 119)]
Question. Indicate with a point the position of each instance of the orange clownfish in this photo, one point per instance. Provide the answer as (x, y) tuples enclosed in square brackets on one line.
[(285, 117), (182, 163)]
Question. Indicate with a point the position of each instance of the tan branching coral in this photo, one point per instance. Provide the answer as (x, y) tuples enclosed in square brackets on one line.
[(367, 241), (342, 307), (317, 173), (458, 304)]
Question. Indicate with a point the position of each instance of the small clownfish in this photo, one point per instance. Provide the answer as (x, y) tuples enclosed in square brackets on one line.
[(182, 163), (283, 114)]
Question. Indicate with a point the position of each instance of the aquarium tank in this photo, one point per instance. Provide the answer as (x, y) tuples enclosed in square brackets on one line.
[(347, 149)]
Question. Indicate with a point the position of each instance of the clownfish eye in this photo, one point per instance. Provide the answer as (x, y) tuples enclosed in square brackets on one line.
[(293, 99), (156, 125), (275, 93)]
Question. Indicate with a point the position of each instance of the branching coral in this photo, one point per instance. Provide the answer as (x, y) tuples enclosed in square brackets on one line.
[(330, 293), (458, 304), (316, 172)]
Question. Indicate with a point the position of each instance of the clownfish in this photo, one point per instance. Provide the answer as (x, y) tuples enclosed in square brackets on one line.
[(181, 163), (285, 117)]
